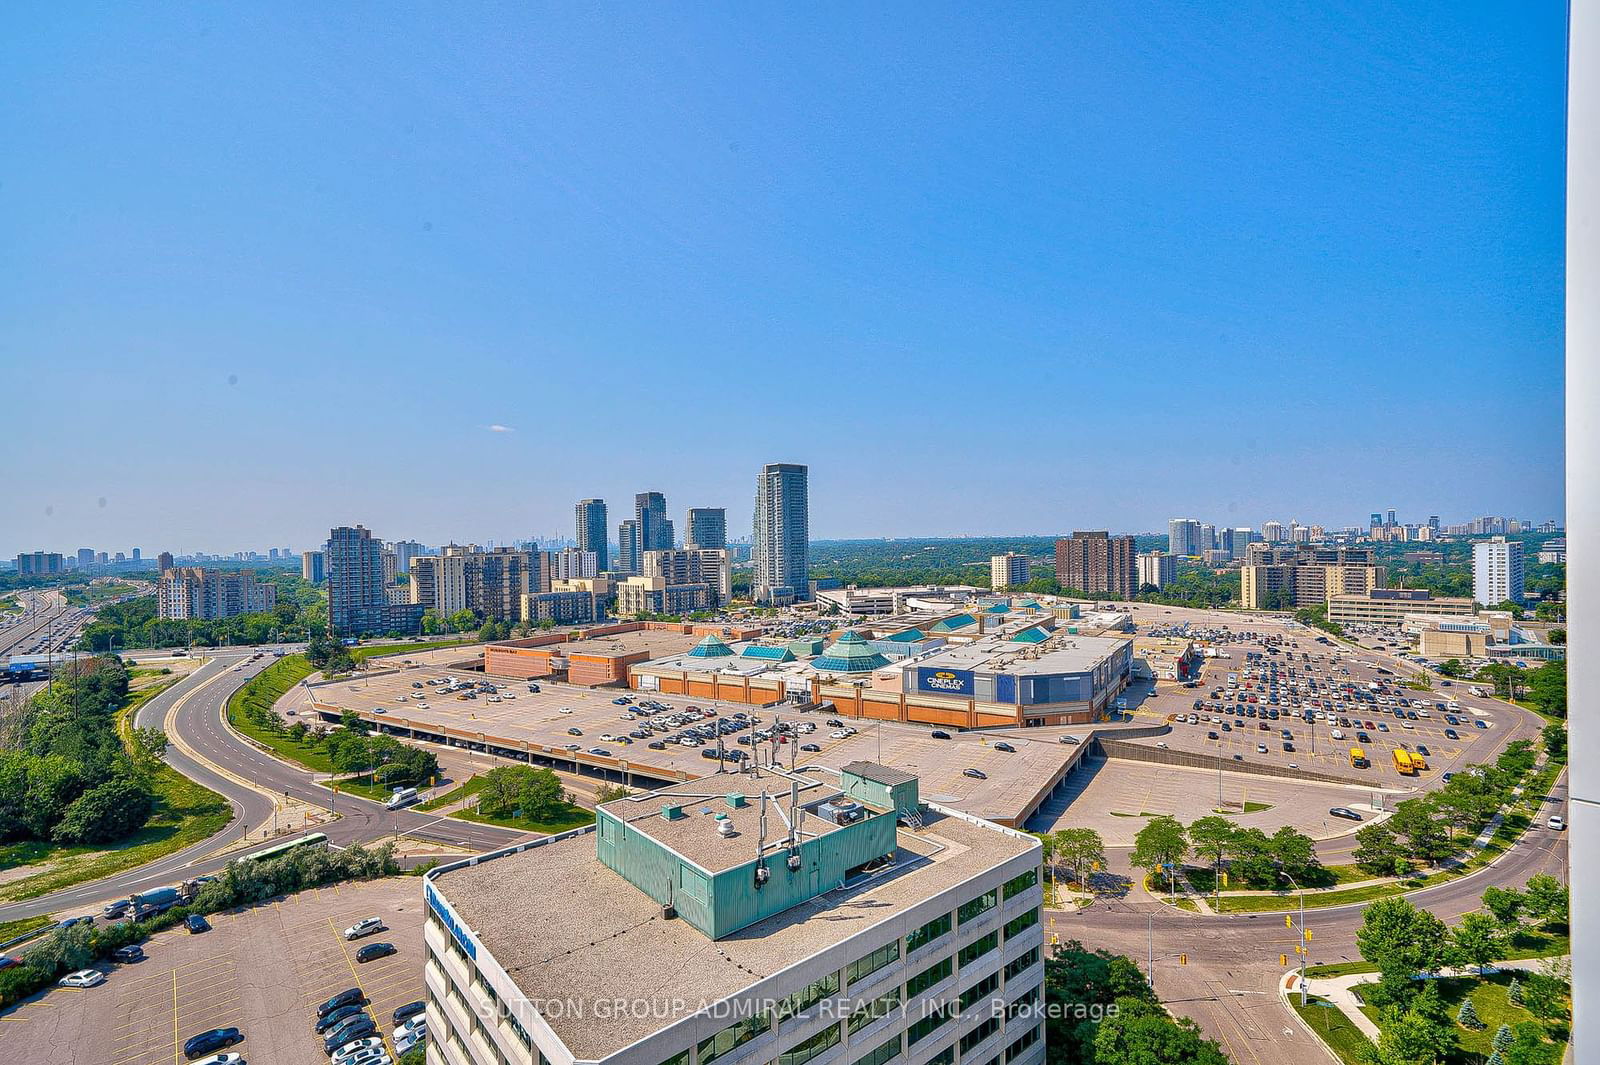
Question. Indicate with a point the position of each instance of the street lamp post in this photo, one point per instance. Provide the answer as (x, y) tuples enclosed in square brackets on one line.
[(1302, 949)]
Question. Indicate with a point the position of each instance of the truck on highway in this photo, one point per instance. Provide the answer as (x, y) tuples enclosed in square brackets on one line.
[(1403, 763), (1358, 758)]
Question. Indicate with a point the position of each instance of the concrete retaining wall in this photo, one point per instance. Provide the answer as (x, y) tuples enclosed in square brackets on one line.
[(1138, 752)]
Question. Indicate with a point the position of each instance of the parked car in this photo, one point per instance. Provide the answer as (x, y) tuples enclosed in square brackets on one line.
[(357, 1046), (1345, 812), (374, 951), (347, 1033), (410, 1009), (365, 927), (939, 734), (231, 1057), (83, 978), (130, 953), (975, 774), (338, 1017), (196, 924), (211, 1042)]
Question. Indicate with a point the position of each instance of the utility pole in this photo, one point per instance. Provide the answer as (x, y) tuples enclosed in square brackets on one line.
[(1150, 949)]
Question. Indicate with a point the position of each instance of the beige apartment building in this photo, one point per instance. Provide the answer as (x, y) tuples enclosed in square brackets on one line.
[(1286, 578)]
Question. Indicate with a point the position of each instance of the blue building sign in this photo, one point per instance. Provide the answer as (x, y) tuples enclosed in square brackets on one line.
[(944, 681), (448, 920)]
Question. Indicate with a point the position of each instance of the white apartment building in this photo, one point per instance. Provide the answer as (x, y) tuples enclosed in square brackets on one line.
[(1157, 568), (746, 918), (1497, 571), (1009, 570)]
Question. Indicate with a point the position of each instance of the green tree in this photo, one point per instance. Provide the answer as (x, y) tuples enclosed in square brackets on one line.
[(1423, 832), (1142, 1032), (147, 746), (1467, 1016), (1379, 852), (1546, 899), (1555, 741), (1402, 941), (1547, 688), (1251, 859), (1477, 940), (1505, 906), (1451, 667), (1410, 1039), (1529, 1047), (106, 812), (1081, 849), (1295, 854), (1161, 844), (1210, 838)]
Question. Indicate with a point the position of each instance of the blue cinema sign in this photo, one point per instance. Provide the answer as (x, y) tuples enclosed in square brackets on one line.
[(944, 681)]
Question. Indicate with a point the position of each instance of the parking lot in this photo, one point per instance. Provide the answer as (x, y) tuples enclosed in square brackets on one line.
[(1287, 663), (539, 723), (263, 970), (1113, 797)]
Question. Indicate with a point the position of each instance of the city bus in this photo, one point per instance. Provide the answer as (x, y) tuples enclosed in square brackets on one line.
[(314, 839)]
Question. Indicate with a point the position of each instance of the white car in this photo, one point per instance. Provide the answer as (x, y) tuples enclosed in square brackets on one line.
[(355, 1046), (607, 737), (565, 710), (231, 1057), (838, 734), (405, 1044), (364, 927), (82, 978), (1557, 823), (365, 1056)]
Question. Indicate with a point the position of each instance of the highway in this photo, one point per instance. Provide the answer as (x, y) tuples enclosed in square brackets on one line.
[(207, 751)]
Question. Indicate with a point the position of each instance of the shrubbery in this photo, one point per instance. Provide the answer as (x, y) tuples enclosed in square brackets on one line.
[(241, 884)]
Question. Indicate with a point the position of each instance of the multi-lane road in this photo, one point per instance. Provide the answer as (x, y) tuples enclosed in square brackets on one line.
[(207, 751)]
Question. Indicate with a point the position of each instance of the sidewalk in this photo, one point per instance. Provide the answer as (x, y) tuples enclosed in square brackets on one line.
[(1340, 990)]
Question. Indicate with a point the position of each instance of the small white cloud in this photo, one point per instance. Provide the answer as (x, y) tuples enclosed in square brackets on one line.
[(499, 428)]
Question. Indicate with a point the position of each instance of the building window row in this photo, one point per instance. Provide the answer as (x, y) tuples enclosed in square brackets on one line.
[(815, 1046), (975, 908), (732, 1037), (1021, 1044), (864, 967), (1017, 885), (883, 1054), (978, 948), (979, 991), (1021, 923), (979, 1034), (919, 983), (936, 1018), (1022, 963), (928, 933), (878, 1008), (1026, 1003), (808, 996), (947, 1056)]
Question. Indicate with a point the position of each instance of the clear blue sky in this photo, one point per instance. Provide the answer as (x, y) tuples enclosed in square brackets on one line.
[(986, 269)]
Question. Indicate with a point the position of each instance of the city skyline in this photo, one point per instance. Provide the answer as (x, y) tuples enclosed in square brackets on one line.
[(628, 233)]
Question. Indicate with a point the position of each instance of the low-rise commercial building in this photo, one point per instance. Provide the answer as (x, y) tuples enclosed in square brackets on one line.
[(1389, 606), (600, 655), (744, 919)]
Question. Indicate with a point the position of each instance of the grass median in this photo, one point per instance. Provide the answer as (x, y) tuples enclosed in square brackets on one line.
[(253, 704), (568, 818), (1339, 1032)]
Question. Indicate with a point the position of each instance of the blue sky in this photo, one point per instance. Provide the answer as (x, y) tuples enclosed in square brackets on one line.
[(986, 269)]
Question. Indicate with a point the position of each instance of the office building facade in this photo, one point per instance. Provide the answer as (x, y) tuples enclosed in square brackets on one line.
[(789, 920), (707, 528), (358, 596), (1097, 563), (313, 566), (1009, 570), (189, 593), (592, 531), (782, 535), (1497, 571)]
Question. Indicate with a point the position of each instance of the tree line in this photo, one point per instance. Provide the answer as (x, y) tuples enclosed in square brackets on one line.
[(1408, 945), (300, 611), (68, 778)]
